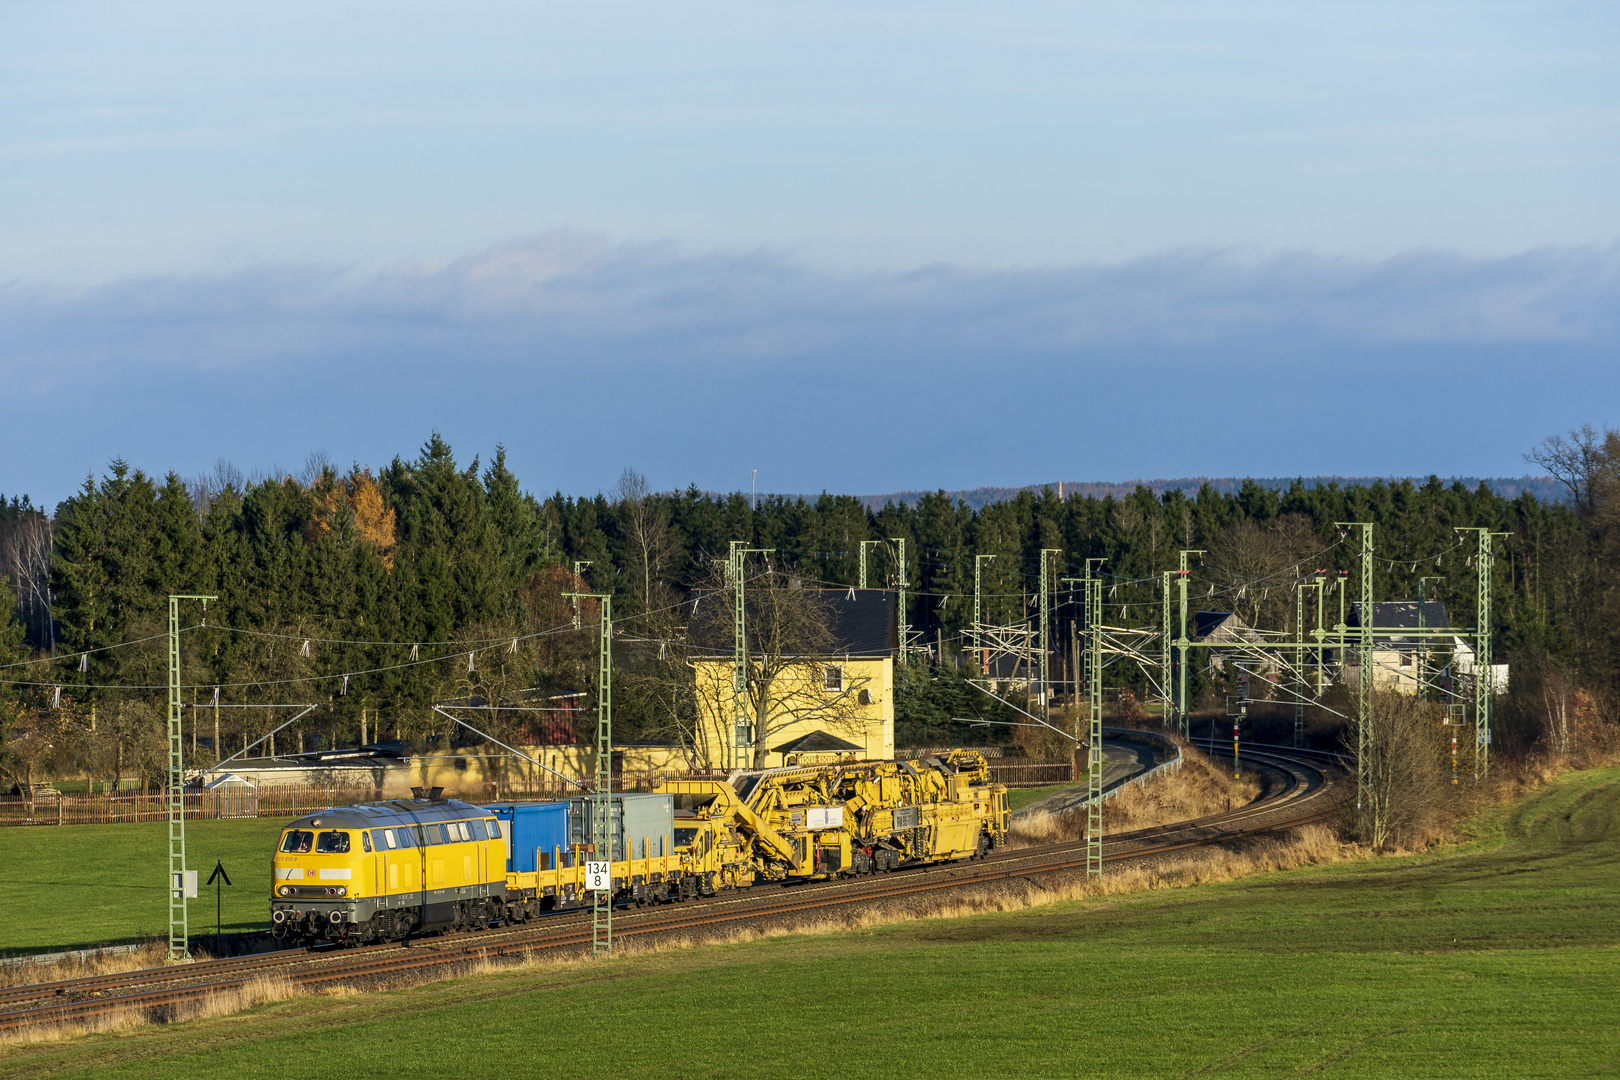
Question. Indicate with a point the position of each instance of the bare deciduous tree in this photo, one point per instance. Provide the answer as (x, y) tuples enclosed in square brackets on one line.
[(1405, 763), (790, 641), (1252, 567), (646, 520), (25, 557), (1586, 463)]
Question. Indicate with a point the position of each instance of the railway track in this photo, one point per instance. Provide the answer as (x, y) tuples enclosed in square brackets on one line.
[(1307, 792)]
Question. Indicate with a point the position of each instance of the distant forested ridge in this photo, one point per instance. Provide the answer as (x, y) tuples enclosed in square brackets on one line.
[(386, 590), (1544, 488)]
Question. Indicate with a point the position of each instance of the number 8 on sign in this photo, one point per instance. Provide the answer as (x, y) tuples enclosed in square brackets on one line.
[(597, 877)]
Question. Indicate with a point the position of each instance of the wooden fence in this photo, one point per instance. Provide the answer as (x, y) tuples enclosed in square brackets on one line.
[(1032, 773), (283, 802)]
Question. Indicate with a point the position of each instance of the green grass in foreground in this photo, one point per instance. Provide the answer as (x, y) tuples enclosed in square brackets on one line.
[(1018, 798), (72, 886), (1495, 960)]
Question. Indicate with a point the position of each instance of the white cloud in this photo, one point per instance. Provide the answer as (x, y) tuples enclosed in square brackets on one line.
[(577, 298)]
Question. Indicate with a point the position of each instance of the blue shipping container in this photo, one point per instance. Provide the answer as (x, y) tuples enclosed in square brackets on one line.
[(533, 829)]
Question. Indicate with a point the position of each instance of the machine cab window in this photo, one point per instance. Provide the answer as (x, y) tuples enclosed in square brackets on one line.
[(296, 841), (332, 843)]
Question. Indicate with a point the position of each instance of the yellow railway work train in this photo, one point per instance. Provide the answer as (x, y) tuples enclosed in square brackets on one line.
[(386, 870), (837, 820)]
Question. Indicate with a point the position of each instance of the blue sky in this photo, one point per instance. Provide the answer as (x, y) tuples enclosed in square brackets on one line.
[(860, 247)]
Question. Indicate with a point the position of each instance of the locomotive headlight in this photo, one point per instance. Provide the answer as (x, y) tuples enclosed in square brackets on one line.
[(285, 890)]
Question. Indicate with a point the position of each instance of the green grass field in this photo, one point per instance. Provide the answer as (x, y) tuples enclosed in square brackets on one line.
[(73, 886), (1498, 959), (1018, 798)]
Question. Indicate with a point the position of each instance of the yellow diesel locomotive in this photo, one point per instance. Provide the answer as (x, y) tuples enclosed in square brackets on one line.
[(385, 870)]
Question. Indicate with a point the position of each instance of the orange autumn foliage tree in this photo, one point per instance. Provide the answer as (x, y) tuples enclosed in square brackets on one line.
[(357, 498)]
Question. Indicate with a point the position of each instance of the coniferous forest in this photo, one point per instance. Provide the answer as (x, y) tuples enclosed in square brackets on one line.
[(373, 593)]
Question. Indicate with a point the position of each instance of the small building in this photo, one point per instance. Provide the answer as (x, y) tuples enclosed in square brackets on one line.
[(1401, 661), (384, 767), (1231, 639), (836, 705), (232, 796)]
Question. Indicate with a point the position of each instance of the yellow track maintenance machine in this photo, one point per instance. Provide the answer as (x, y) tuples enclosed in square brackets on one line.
[(840, 820)]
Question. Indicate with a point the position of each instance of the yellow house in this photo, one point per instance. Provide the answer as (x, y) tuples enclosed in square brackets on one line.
[(835, 703)]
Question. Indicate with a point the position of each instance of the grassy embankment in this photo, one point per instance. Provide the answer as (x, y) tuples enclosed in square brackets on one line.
[(1495, 959), (76, 886)]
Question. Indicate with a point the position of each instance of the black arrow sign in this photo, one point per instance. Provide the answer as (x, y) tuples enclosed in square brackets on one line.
[(218, 877)]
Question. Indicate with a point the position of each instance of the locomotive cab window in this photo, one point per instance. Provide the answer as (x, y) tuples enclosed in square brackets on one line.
[(476, 827), (388, 836), (684, 837), (494, 827), (365, 841), (332, 843), (297, 841)]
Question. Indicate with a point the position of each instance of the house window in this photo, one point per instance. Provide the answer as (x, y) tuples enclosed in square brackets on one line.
[(1406, 659), (832, 679)]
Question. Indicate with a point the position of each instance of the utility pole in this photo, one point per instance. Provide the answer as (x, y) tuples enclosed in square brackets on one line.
[(1364, 681), (900, 585), (1094, 754), (602, 791), (1299, 662), (978, 625), (1182, 644), (1093, 741), (864, 544), (1484, 560), (1319, 635), (1166, 706), (1423, 641), (579, 576), (742, 730), (1046, 650), (182, 882)]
